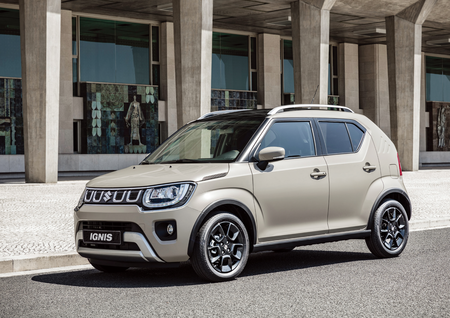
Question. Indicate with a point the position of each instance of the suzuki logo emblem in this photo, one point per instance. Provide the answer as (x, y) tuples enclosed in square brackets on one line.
[(107, 196)]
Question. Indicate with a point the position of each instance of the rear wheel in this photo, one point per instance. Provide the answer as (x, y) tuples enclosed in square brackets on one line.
[(390, 230), (107, 268), (221, 248)]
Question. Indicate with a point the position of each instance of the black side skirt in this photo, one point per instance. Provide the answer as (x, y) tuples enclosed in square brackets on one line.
[(311, 240)]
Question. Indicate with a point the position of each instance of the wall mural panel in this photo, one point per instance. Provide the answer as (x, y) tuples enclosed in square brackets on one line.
[(119, 118), (11, 118), (226, 99), (438, 133)]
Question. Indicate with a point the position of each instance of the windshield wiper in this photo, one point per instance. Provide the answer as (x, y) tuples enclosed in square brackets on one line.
[(146, 163)]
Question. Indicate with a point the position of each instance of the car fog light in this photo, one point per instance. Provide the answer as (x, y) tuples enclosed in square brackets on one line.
[(170, 229)]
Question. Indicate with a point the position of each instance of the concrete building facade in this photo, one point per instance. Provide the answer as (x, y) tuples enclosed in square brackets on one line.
[(95, 86)]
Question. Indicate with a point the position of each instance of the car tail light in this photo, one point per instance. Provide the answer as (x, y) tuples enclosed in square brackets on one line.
[(399, 165)]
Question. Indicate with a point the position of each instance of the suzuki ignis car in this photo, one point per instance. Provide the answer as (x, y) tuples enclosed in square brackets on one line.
[(238, 182)]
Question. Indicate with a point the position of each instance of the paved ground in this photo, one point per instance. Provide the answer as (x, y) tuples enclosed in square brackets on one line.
[(38, 218), (327, 280)]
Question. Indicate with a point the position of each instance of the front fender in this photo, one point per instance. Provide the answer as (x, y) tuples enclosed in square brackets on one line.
[(236, 201)]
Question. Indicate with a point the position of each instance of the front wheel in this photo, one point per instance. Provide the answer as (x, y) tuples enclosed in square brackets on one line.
[(221, 248), (390, 230)]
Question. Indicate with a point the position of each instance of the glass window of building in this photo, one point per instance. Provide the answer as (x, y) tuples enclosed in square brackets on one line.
[(437, 79), (230, 61), (10, 56), (288, 67), (114, 52)]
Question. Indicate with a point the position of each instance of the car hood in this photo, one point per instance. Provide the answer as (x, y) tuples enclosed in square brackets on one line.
[(147, 175)]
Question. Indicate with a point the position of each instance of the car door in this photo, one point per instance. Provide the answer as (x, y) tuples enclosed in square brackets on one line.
[(353, 167), (293, 200)]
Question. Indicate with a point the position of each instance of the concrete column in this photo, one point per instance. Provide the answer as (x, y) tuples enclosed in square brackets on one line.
[(373, 85), (66, 85), (193, 57), (168, 80), (404, 45), (269, 74), (40, 30), (310, 43), (404, 41), (348, 75)]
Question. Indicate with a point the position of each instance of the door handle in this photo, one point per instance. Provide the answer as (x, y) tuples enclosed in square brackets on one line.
[(316, 174), (369, 168)]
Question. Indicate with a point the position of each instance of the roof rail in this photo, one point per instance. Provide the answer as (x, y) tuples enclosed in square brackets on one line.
[(220, 112), (280, 109)]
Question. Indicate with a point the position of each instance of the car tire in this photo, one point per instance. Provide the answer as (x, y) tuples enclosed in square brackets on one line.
[(221, 248), (390, 230), (107, 268)]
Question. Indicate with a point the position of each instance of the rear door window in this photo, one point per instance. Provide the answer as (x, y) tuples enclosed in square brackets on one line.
[(336, 137)]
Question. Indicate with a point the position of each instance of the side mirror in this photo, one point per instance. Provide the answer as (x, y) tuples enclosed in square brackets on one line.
[(269, 154)]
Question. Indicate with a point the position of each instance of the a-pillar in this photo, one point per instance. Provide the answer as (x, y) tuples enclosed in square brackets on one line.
[(40, 31), (310, 44), (404, 44), (193, 56), (168, 81), (269, 78)]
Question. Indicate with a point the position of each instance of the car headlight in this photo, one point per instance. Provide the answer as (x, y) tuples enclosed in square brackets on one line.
[(170, 195), (80, 202)]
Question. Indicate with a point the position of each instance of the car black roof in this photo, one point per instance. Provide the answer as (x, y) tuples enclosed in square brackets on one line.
[(260, 114)]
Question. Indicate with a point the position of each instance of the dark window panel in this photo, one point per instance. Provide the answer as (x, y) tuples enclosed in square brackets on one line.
[(75, 136), (253, 52), (155, 43), (230, 62), (114, 52), (10, 54), (335, 61), (254, 81)]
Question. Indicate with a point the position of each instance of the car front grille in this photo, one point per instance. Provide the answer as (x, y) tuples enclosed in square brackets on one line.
[(111, 196), (111, 226)]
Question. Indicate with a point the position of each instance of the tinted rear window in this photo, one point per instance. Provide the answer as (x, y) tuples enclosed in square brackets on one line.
[(356, 135), (336, 137)]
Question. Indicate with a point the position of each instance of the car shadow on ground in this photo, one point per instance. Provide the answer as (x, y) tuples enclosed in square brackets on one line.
[(258, 264)]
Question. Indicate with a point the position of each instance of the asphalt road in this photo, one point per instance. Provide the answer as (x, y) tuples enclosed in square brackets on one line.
[(330, 280)]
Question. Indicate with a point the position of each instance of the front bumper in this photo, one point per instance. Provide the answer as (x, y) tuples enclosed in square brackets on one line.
[(150, 248), (145, 253)]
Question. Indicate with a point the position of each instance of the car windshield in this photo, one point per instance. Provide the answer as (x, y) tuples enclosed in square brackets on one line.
[(206, 142)]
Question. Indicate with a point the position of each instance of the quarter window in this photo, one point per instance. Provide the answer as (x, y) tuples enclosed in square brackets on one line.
[(336, 137), (356, 135), (295, 137)]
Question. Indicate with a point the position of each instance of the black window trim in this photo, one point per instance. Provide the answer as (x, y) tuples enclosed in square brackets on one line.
[(345, 121)]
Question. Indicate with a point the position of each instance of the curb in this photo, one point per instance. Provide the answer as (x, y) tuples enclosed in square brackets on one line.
[(40, 261), (429, 224), (25, 263)]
